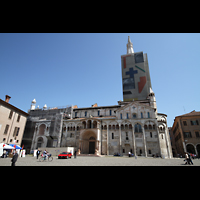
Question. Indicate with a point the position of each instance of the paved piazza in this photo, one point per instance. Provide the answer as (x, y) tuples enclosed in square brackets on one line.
[(98, 161)]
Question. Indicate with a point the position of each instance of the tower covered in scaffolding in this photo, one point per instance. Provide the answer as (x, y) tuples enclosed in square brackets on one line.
[(44, 126)]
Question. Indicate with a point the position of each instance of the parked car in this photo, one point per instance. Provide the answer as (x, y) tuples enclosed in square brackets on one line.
[(65, 155)]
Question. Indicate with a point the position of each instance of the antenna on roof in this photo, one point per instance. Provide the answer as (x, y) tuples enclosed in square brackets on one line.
[(184, 109)]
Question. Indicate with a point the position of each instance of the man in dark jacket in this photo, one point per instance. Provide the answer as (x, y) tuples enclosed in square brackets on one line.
[(38, 153), (14, 159), (190, 159)]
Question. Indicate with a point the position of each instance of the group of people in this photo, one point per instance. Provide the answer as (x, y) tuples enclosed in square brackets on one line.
[(45, 153), (188, 158), (5, 154)]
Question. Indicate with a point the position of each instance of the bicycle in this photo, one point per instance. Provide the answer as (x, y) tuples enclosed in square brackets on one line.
[(43, 158)]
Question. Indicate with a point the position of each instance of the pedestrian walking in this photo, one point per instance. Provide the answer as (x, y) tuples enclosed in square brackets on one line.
[(190, 158), (14, 159), (75, 154), (4, 154), (186, 158), (38, 153)]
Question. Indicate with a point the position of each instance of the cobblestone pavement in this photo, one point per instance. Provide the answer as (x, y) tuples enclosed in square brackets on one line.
[(98, 161)]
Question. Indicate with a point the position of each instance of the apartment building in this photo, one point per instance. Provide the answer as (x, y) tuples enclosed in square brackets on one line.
[(12, 122)]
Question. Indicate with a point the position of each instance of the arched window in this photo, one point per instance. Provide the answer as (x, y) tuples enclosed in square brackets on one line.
[(145, 127), (138, 128), (89, 124), (42, 129), (84, 125), (94, 124)]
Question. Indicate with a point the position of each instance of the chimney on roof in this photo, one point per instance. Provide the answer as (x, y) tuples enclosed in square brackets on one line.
[(7, 99)]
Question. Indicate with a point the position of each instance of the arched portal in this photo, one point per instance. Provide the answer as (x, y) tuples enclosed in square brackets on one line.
[(190, 148), (92, 145), (88, 143), (39, 142)]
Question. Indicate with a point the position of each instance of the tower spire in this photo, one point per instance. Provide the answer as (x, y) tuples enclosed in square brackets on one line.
[(129, 46)]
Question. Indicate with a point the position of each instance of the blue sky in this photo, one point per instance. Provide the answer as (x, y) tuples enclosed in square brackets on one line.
[(59, 69)]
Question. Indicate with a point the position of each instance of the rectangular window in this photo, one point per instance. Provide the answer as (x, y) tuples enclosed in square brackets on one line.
[(85, 113), (18, 118), (6, 129), (127, 115), (134, 116), (187, 134), (126, 135), (98, 112), (194, 122), (148, 115), (75, 114), (16, 131), (197, 134), (11, 114), (110, 112), (120, 115), (141, 115), (184, 123)]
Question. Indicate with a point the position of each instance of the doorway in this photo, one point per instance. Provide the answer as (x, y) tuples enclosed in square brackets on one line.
[(91, 147)]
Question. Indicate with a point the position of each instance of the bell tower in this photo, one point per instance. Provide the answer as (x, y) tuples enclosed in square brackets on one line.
[(129, 46), (136, 80)]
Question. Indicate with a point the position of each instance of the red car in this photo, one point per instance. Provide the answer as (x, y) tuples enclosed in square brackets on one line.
[(65, 155)]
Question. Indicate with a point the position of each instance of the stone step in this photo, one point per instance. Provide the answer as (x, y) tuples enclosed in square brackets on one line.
[(91, 155)]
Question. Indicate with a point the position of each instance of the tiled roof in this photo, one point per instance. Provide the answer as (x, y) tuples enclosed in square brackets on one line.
[(193, 113)]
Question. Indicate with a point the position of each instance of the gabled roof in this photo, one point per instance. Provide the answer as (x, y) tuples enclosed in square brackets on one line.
[(193, 113), (133, 103)]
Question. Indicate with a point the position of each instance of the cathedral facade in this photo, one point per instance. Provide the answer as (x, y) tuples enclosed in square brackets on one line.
[(133, 125)]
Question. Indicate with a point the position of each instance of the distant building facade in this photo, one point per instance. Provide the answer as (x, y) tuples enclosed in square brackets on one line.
[(44, 127), (186, 134), (133, 125), (12, 122)]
